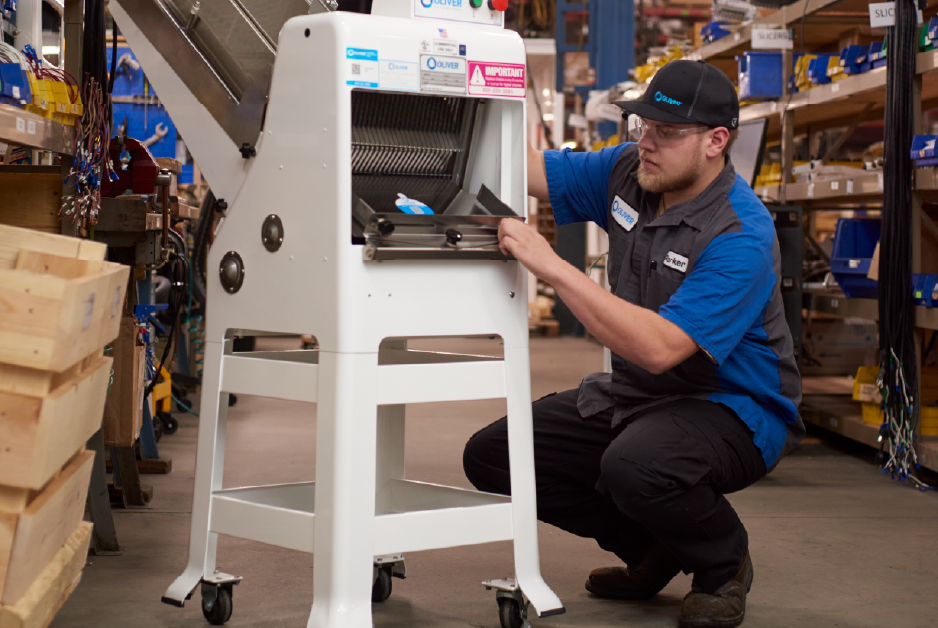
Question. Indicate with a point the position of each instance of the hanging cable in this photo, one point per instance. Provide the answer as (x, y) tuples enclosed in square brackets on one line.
[(898, 373)]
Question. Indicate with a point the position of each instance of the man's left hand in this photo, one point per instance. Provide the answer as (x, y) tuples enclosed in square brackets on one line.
[(529, 247)]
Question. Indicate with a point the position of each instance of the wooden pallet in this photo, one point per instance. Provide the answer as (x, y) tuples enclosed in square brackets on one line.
[(45, 597), (544, 326)]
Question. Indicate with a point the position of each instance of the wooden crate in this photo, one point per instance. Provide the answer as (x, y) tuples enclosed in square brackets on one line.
[(45, 597), (12, 239), (34, 525), (57, 310), (30, 197), (38, 434)]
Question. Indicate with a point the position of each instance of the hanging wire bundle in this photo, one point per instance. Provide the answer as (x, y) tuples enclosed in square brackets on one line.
[(91, 157), (898, 360)]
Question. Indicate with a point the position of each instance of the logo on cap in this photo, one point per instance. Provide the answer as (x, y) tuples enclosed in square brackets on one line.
[(659, 97)]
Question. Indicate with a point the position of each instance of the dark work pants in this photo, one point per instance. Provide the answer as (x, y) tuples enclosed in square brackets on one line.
[(660, 479)]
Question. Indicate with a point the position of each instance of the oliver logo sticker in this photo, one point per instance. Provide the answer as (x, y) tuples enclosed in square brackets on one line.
[(675, 261), (624, 214)]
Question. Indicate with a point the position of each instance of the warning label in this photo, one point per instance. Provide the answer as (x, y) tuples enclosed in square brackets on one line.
[(496, 79)]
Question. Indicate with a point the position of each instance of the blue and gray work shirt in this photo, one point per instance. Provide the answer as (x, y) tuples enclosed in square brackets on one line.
[(711, 266)]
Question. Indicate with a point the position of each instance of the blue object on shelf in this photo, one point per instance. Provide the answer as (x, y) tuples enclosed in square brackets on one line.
[(925, 289), (14, 85), (760, 75), (712, 32), (817, 68), (853, 59), (854, 242), (923, 150), (918, 288), (932, 28)]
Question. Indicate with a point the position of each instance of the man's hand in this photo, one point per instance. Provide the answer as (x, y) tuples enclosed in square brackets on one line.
[(529, 247)]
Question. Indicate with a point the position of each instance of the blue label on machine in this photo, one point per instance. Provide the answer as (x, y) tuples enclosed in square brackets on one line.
[(361, 54), (411, 206), (362, 67)]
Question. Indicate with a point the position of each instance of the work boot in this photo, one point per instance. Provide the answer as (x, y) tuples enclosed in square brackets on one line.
[(643, 582), (724, 608)]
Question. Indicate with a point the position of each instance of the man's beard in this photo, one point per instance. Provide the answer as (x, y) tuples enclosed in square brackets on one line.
[(664, 182)]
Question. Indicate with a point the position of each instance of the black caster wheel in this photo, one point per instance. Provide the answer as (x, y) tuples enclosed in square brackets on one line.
[(170, 424), (381, 589), (217, 611), (509, 613)]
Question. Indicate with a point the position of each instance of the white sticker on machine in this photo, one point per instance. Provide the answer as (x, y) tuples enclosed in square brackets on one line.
[(399, 75), (442, 74)]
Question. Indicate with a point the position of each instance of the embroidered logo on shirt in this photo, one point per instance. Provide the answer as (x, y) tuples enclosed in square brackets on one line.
[(675, 261), (624, 214)]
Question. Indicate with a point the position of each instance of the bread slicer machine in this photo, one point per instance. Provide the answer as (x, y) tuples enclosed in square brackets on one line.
[(366, 161)]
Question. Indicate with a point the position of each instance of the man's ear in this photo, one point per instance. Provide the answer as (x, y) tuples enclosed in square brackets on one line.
[(718, 140)]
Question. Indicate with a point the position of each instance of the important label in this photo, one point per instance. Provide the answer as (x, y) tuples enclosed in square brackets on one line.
[(771, 39), (496, 79), (442, 74)]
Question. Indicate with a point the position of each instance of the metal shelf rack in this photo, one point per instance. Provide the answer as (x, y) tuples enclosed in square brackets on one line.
[(850, 101)]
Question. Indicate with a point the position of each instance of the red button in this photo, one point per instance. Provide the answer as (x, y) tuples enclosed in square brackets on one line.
[(498, 5)]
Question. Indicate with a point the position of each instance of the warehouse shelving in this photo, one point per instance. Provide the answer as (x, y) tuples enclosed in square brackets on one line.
[(23, 128), (848, 102)]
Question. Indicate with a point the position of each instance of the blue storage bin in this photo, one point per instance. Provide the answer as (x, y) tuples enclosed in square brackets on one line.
[(14, 85), (760, 75), (817, 68), (712, 32), (919, 282), (932, 28), (853, 59), (854, 242), (923, 150)]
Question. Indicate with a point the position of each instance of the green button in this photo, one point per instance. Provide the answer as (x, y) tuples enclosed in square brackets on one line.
[(475, 3)]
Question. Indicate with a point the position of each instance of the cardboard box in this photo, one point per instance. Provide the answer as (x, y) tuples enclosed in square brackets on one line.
[(123, 411)]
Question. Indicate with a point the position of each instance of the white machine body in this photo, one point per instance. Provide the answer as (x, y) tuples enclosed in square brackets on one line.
[(362, 295)]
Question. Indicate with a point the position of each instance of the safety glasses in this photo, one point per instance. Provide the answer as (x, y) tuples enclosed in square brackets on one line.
[(663, 134)]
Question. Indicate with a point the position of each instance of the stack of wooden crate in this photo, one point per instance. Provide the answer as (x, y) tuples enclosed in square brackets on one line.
[(60, 303)]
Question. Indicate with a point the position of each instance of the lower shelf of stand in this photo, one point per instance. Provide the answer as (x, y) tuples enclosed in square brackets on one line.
[(841, 414)]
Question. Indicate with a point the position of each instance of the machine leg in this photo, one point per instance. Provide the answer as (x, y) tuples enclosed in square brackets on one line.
[(104, 536), (345, 491), (523, 501), (209, 465)]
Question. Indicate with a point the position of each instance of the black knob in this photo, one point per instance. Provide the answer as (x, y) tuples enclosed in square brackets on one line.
[(247, 151), (221, 205), (385, 227), (453, 237)]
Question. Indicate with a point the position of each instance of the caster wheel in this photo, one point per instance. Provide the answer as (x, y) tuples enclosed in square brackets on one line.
[(509, 613), (217, 612), (170, 425), (381, 589)]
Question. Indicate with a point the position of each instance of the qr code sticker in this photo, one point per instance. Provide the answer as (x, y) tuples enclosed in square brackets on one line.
[(356, 68)]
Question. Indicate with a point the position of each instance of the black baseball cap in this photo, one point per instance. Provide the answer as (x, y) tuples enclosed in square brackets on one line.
[(685, 92)]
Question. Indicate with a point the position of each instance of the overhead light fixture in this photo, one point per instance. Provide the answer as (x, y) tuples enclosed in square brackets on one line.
[(50, 50), (570, 145), (546, 92)]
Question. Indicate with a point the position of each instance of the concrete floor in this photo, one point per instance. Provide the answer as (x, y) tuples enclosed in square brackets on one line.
[(833, 542)]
